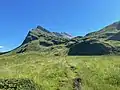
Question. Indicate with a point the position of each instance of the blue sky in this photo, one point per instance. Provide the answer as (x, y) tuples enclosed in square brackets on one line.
[(77, 17)]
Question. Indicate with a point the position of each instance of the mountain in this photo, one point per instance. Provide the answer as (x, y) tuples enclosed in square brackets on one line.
[(41, 33), (106, 32), (102, 42), (43, 41)]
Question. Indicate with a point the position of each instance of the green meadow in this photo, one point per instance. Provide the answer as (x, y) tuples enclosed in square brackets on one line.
[(58, 72)]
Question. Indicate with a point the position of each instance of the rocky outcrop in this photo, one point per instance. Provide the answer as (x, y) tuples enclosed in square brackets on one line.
[(30, 37), (77, 84), (90, 48), (63, 35), (115, 37)]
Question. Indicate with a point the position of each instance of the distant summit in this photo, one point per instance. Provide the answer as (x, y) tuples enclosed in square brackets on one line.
[(66, 35), (42, 29), (63, 34), (41, 33), (107, 32)]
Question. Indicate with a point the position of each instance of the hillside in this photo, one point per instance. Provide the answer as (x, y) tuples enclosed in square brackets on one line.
[(102, 42), (106, 32)]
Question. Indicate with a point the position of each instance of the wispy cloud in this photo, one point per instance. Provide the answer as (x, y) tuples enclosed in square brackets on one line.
[(1, 47)]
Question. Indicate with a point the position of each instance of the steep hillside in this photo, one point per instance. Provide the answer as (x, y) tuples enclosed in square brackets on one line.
[(102, 42), (42, 34), (106, 32)]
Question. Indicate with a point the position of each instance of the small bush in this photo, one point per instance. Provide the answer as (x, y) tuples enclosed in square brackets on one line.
[(17, 84)]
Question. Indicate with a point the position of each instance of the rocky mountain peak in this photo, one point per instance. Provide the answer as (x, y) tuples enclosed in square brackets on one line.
[(40, 28)]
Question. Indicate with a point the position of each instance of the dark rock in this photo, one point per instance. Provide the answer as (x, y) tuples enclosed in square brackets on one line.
[(90, 48), (56, 42), (115, 37), (46, 43), (43, 29), (29, 38), (21, 50), (63, 35), (77, 82), (57, 54), (118, 26)]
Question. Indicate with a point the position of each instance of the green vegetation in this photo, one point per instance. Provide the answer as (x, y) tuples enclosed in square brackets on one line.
[(106, 32), (41, 62), (58, 72), (17, 84), (90, 47)]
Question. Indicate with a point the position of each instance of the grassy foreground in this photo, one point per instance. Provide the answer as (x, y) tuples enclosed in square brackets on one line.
[(58, 72)]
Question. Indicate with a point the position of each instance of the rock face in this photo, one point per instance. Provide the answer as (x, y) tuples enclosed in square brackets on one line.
[(77, 84), (63, 35), (66, 35), (90, 48), (29, 38), (115, 37), (46, 43)]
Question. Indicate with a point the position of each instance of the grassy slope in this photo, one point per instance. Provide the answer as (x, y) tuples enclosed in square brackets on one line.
[(55, 73)]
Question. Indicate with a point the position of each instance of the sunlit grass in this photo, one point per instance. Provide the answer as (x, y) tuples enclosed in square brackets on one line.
[(55, 73)]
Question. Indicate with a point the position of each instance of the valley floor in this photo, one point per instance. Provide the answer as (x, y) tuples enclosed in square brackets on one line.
[(58, 72)]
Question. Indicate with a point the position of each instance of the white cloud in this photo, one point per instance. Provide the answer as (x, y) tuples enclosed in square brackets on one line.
[(1, 47)]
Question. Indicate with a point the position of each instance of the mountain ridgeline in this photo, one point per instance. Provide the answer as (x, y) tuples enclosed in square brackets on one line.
[(103, 42)]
